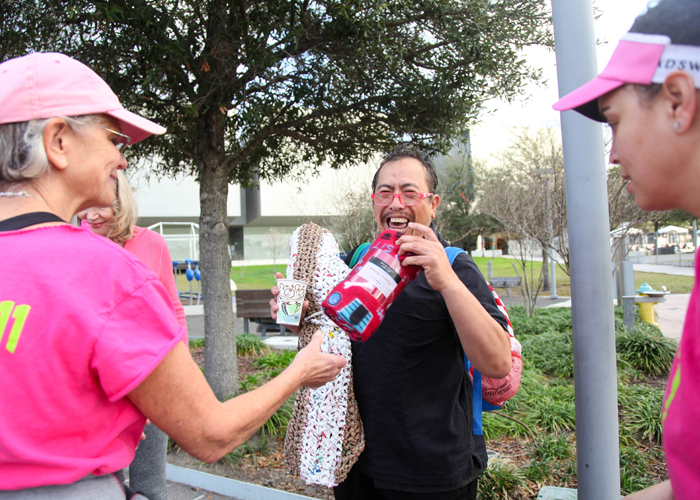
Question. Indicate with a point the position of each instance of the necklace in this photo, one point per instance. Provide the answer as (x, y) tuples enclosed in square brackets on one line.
[(19, 194)]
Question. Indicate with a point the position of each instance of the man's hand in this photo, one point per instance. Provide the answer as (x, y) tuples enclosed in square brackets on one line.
[(274, 307), (429, 254), (484, 341), (317, 367)]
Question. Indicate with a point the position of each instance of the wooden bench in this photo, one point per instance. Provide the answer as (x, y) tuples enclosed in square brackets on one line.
[(504, 282), (507, 283), (254, 305)]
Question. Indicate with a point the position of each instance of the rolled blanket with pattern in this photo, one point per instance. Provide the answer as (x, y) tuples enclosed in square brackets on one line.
[(325, 435)]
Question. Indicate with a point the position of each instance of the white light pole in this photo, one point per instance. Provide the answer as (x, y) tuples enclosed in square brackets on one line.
[(550, 233), (595, 371)]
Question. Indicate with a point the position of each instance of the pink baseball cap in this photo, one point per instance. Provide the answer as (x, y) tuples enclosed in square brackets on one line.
[(638, 58), (44, 85)]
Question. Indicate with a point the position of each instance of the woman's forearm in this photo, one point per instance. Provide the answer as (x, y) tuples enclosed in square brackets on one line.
[(177, 399)]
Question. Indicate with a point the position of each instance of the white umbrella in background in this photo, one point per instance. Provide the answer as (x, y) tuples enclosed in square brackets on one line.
[(672, 229)]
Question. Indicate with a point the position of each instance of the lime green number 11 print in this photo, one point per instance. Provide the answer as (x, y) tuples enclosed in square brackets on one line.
[(19, 315)]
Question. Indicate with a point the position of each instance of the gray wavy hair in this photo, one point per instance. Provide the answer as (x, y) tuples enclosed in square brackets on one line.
[(22, 154)]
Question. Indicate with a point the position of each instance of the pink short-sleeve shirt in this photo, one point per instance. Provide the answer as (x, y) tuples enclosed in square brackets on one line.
[(82, 323), (681, 410)]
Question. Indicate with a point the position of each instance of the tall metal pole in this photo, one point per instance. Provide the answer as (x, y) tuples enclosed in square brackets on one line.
[(595, 377)]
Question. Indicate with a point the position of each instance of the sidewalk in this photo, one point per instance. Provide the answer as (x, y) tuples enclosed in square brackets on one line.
[(177, 491), (671, 314), (193, 484)]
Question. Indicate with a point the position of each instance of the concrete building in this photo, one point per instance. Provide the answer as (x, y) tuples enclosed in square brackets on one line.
[(261, 221)]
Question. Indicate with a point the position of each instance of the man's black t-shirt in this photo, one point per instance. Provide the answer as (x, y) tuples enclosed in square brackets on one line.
[(414, 394)]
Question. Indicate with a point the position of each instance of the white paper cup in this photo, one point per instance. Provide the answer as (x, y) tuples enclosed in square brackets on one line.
[(290, 300)]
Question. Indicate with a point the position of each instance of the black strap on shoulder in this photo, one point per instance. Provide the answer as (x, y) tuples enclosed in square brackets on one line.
[(30, 219)]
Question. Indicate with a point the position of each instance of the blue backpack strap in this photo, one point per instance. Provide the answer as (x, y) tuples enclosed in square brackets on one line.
[(479, 404), (452, 253), (359, 253), (477, 400)]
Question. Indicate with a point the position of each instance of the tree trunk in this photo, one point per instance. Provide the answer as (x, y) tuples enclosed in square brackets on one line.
[(221, 367), (545, 271)]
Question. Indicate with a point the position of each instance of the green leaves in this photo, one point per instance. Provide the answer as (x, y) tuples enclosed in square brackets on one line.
[(304, 82), (648, 353), (500, 479), (545, 403), (642, 415), (250, 345)]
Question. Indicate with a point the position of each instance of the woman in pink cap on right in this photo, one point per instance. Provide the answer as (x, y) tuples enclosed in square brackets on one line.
[(648, 95), (89, 343)]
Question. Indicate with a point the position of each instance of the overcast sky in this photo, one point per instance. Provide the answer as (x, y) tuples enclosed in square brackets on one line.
[(492, 133)]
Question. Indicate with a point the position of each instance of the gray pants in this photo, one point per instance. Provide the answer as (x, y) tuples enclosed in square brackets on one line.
[(105, 487), (147, 471)]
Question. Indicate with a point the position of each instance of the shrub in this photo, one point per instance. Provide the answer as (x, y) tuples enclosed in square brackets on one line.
[(538, 471), (497, 424), (246, 344), (250, 345), (171, 444), (552, 446), (532, 382), (645, 351), (277, 423), (250, 448), (642, 413), (196, 343), (252, 381), (275, 361), (548, 406), (541, 404), (620, 325), (555, 319), (553, 415), (545, 403), (517, 407), (633, 470), (551, 352), (499, 481)]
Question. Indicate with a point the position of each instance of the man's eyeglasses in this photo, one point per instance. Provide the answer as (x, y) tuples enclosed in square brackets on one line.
[(122, 140), (407, 199)]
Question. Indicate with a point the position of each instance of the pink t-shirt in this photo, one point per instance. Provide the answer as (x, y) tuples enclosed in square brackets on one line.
[(681, 409), (82, 323), (151, 248)]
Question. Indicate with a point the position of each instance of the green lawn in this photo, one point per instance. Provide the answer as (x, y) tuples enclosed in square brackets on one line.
[(183, 285), (672, 282), (255, 277), (252, 277), (504, 267)]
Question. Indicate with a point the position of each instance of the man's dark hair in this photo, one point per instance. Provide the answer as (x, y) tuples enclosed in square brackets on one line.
[(406, 151), (677, 19)]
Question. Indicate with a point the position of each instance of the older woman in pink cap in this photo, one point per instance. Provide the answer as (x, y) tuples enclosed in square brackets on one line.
[(89, 343), (648, 95)]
